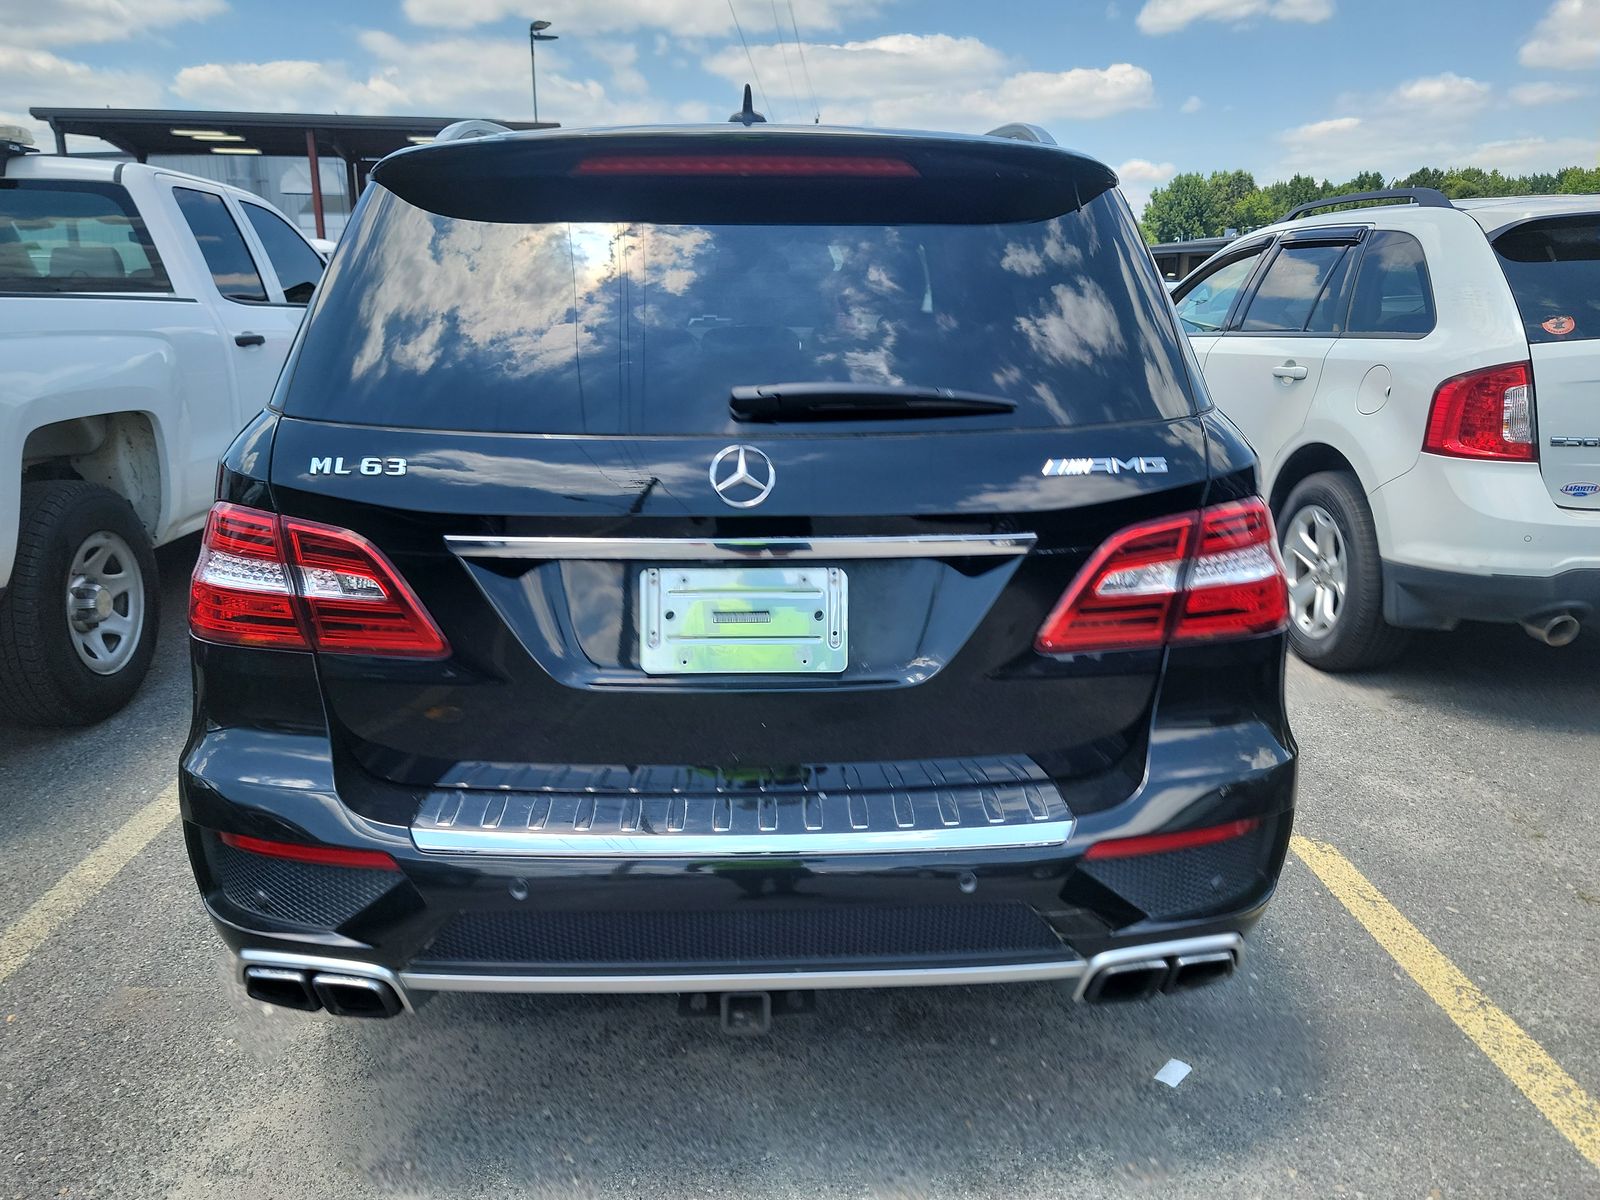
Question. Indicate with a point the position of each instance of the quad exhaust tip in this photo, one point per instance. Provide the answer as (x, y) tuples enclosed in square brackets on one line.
[(309, 991), (1142, 978)]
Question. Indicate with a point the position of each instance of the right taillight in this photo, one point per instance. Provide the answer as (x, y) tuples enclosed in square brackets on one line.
[(1484, 414), (288, 584), (1202, 576)]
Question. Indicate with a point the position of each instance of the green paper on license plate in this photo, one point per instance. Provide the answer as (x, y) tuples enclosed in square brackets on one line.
[(743, 620)]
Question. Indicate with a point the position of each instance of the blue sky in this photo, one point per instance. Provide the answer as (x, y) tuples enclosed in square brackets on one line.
[(1152, 86)]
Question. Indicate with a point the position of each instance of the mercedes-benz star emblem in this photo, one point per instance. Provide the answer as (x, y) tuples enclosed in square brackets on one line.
[(742, 476)]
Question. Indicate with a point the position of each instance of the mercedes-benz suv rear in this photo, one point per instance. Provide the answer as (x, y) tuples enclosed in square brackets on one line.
[(734, 559)]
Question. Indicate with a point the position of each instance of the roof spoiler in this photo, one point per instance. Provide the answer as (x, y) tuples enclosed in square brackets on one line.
[(1423, 197), (1017, 131), (462, 130)]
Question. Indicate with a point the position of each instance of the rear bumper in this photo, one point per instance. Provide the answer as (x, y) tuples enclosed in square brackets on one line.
[(1424, 598), (449, 921)]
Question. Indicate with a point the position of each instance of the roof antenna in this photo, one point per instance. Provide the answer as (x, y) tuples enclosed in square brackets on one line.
[(748, 114)]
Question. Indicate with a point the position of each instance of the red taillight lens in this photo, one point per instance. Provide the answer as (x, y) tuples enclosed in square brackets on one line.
[(326, 856), (757, 165), (1162, 843), (1484, 414), (266, 580), (1199, 577)]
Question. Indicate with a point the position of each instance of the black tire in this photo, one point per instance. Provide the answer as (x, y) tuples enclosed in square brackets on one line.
[(43, 680), (1360, 638)]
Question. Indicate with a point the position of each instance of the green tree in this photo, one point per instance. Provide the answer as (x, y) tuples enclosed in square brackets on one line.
[(1184, 209), (1430, 177), (1574, 181)]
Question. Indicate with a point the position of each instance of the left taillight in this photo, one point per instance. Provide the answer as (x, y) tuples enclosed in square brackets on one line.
[(1200, 576), (284, 583)]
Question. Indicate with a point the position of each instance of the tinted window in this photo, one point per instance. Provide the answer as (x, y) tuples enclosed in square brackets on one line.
[(1554, 271), (297, 264), (74, 237), (1204, 306), (1392, 293), (232, 269), (435, 321), (1291, 287)]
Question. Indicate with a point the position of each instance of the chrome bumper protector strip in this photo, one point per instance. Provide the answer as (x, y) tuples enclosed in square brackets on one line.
[(758, 981), (741, 549), (533, 843)]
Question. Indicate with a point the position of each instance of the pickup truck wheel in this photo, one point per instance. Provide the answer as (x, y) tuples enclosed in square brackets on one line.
[(1330, 551), (78, 622)]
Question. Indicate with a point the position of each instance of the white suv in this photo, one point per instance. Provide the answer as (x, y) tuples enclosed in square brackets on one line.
[(1422, 383)]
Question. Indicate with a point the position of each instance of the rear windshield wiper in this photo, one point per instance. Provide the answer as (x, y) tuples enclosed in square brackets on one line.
[(857, 402)]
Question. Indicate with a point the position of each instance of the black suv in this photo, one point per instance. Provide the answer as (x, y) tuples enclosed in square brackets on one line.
[(733, 559)]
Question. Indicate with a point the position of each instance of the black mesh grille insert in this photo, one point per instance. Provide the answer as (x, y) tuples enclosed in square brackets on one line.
[(855, 935), (1183, 883), (304, 893)]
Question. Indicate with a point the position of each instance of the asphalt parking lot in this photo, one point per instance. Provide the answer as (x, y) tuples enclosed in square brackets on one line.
[(1461, 785)]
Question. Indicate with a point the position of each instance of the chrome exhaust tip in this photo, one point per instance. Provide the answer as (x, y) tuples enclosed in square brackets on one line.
[(1127, 981), (1559, 630), (355, 996), (282, 987), (1197, 970)]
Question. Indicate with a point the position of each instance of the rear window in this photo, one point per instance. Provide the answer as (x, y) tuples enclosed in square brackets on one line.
[(74, 237), (1553, 267), (637, 327)]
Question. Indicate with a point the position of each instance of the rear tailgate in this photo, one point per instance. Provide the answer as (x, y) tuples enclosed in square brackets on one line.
[(1553, 266), (535, 339)]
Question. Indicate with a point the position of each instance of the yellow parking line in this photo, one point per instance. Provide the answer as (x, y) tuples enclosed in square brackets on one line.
[(81, 884), (1521, 1059)]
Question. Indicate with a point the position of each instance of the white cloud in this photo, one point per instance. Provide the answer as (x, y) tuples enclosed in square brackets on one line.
[(623, 59), (38, 78), (1192, 105), (1446, 92), (686, 18), (1567, 38), (441, 77), (934, 80), (1530, 95), (1138, 176), (1169, 16), (1436, 126), (75, 22)]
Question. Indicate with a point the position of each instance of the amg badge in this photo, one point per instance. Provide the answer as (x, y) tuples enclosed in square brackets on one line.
[(1105, 466)]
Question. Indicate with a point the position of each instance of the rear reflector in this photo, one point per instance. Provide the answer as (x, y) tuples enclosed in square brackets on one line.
[(1202, 576), (326, 856), (759, 165), (281, 582), (1484, 414), (1163, 843)]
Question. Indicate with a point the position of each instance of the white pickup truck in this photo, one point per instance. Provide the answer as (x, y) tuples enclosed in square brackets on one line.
[(144, 315)]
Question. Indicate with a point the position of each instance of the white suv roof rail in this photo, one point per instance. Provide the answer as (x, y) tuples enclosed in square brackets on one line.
[(1424, 197), (474, 128)]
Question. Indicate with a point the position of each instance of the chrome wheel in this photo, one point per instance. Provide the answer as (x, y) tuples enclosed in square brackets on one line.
[(1317, 562), (105, 602)]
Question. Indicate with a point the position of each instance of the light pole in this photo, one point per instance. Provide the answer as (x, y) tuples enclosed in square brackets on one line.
[(537, 34)]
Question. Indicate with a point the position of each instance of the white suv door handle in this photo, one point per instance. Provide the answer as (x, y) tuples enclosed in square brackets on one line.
[(1290, 371)]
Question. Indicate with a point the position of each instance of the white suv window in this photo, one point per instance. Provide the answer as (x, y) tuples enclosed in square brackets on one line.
[(1289, 291), (1392, 295), (1204, 307), (1553, 268)]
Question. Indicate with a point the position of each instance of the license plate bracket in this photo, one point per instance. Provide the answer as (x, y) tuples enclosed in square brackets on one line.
[(743, 620)]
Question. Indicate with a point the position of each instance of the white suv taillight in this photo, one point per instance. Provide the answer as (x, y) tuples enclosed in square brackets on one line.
[(288, 584), (1201, 576), (1484, 414)]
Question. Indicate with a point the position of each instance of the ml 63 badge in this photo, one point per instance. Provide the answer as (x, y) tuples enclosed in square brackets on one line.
[(361, 466)]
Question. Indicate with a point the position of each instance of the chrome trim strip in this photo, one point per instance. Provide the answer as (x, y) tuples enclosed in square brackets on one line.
[(529, 843), (741, 549), (1217, 943), (756, 981)]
